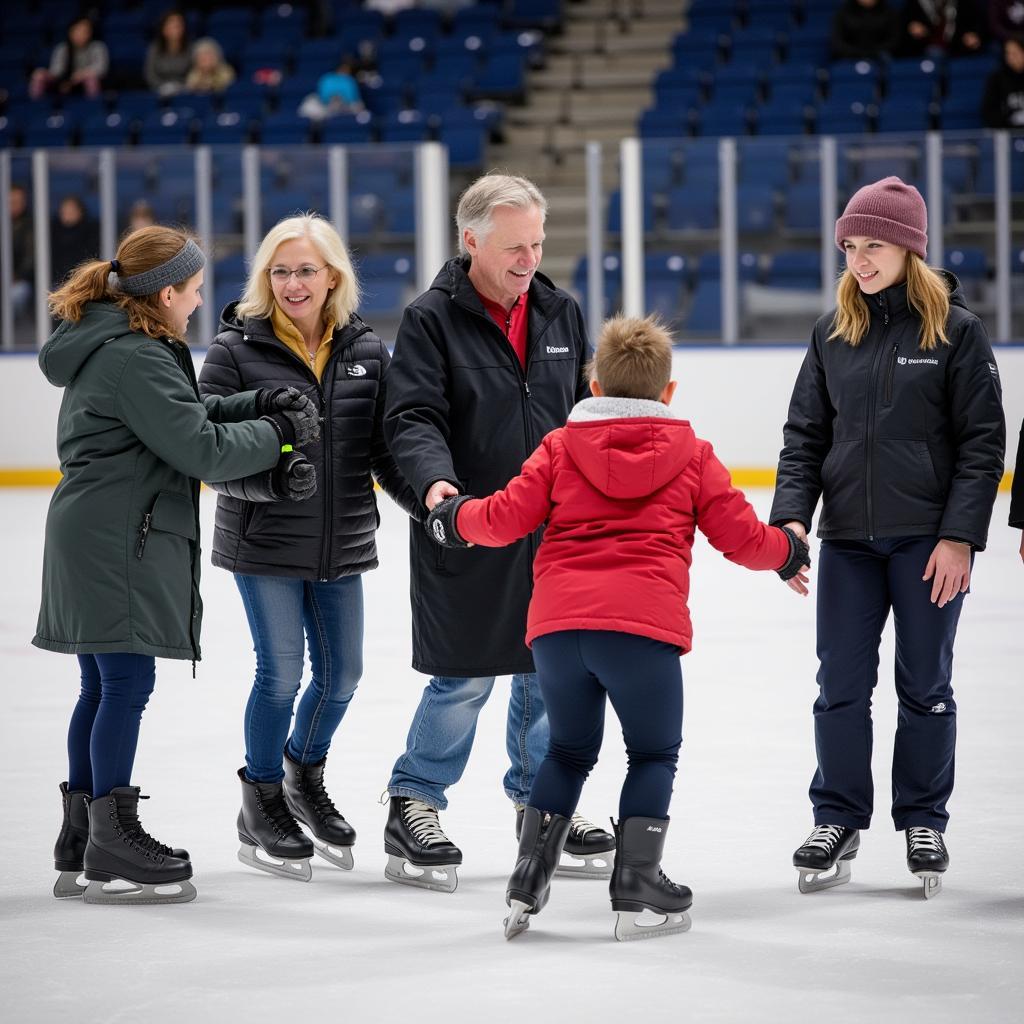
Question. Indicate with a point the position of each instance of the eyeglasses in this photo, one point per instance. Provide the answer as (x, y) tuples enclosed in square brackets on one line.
[(280, 275)]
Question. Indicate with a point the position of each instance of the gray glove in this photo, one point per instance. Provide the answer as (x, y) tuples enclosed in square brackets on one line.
[(294, 416), (294, 477)]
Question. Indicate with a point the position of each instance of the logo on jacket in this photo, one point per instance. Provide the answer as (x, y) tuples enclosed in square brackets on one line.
[(356, 370), (939, 708), (993, 369), (552, 350), (904, 361)]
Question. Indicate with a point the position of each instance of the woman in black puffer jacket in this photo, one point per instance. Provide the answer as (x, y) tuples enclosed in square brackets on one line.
[(298, 559), (896, 422)]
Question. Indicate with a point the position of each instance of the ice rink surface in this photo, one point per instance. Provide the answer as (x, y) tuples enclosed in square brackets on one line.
[(354, 947)]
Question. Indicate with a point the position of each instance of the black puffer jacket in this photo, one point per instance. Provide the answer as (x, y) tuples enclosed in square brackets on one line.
[(460, 408), (896, 441), (1017, 491), (332, 534)]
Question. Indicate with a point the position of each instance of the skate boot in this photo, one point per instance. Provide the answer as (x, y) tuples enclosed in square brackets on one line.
[(827, 848), (124, 863), (590, 848), (540, 845), (307, 799), (419, 853), (271, 839), (639, 884), (927, 857), (71, 841)]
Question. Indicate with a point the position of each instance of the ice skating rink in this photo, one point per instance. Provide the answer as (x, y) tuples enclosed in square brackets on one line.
[(354, 947)]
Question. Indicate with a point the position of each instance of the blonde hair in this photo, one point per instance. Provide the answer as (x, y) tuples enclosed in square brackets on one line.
[(138, 252), (341, 302), (927, 295), (633, 358), (477, 204)]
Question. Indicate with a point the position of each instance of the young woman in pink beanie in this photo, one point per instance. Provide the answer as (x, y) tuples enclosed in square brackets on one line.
[(896, 423)]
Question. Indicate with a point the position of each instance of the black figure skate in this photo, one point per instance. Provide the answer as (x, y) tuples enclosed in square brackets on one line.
[(827, 848), (639, 884), (123, 863), (71, 841), (540, 846), (590, 849), (927, 858), (419, 853), (271, 839), (307, 799)]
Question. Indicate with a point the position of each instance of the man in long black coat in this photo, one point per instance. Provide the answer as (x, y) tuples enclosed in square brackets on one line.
[(487, 361)]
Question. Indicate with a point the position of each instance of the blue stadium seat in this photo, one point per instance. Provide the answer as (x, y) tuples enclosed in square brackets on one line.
[(803, 207), (399, 214), (705, 313), (363, 214), (664, 282), (546, 14), (105, 130), (347, 129), (763, 163), (692, 208), (661, 124), (841, 118), (502, 76), (165, 128), (466, 144), (615, 211), (283, 129), (969, 264), (797, 269), (404, 126), (226, 128), (611, 282), (903, 115), (723, 119), (285, 203), (755, 208)]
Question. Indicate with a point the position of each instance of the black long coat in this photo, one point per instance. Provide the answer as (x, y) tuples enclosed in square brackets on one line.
[(461, 408), (333, 533)]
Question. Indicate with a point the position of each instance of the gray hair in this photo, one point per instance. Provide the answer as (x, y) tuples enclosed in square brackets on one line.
[(478, 203)]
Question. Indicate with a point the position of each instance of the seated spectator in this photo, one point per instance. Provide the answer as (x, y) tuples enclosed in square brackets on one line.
[(141, 215), (210, 71), (941, 26), (865, 30), (337, 92), (74, 237), (22, 250), (1003, 105), (78, 64), (1006, 19), (169, 57)]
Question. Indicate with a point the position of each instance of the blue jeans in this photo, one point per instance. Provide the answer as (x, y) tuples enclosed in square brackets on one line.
[(581, 671), (280, 610), (104, 729), (442, 731)]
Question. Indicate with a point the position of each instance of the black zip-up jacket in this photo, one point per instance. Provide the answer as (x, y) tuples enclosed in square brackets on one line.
[(896, 441), (461, 408), (331, 534), (1017, 488)]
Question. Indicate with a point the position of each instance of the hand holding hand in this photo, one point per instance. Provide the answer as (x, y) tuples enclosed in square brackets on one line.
[(795, 569), (439, 490), (292, 413), (949, 568), (440, 523)]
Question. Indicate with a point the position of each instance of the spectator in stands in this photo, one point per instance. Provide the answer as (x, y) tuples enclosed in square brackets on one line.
[(210, 71), (1006, 18), (941, 26), (22, 250), (141, 215), (169, 57), (1003, 104), (74, 237), (78, 64), (337, 92), (865, 30)]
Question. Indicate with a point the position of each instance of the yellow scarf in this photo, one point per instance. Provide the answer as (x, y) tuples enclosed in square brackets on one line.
[(286, 331)]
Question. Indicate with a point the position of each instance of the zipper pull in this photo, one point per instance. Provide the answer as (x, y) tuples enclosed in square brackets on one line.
[(526, 388), (143, 533)]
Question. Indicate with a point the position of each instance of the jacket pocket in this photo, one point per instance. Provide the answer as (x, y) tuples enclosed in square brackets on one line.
[(247, 514), (909, 491), (842, 486), (171, 513)]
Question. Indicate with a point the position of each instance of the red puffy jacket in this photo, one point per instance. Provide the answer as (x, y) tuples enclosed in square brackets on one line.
[(621, 497)]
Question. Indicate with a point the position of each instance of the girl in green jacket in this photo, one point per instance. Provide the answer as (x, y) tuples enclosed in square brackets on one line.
[(121, 558)]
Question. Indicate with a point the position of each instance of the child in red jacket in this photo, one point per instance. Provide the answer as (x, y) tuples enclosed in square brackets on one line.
[(621, 488)]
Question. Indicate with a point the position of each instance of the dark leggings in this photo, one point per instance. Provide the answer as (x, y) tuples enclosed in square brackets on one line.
[(643, 679), (104, 730)]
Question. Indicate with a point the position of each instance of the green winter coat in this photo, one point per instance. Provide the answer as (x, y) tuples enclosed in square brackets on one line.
[(121, 562)]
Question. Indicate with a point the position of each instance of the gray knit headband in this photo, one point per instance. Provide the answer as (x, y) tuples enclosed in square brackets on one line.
[(178, 268)]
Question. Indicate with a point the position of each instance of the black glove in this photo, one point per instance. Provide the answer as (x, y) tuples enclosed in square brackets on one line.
[(799, 555), (294, 477), (440, 523), (292, 413)]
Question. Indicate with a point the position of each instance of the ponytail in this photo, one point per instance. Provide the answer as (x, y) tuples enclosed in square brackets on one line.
[(88, 282)]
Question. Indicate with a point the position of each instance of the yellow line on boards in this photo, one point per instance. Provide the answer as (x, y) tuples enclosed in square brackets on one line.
[(741, 477)]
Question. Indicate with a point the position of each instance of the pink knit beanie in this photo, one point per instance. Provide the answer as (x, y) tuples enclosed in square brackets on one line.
[(888, 210)]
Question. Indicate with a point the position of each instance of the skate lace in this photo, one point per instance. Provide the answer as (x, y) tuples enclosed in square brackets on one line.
[(276, 812), (925, 840), (579, 827), (316, 792), (131, 828), (422, 821), (825, 837)]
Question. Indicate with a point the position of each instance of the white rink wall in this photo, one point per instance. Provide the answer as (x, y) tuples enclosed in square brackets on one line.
[(737, 399)]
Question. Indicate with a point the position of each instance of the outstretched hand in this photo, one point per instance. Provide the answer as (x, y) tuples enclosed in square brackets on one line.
[(949, 569)]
